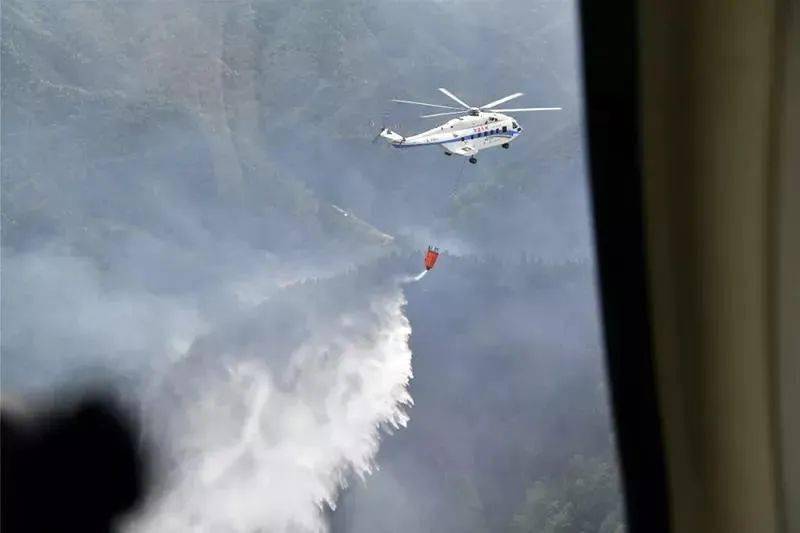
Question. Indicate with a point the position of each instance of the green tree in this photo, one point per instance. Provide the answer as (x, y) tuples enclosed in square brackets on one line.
[(577, 501)]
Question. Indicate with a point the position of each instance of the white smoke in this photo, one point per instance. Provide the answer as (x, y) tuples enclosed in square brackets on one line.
[(260, 425), (62, 323)]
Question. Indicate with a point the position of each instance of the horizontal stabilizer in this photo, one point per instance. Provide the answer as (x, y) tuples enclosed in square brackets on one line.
[(392, 137)]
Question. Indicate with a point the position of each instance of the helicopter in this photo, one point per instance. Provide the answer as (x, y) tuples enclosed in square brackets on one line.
[(477, 129)]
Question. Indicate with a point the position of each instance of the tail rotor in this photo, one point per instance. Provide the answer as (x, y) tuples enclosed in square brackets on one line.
[(383, 128)]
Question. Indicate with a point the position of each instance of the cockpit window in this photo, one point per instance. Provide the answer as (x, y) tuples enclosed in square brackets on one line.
[(514, 125)]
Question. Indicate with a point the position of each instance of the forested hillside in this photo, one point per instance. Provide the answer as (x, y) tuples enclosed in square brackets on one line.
[(270, 107), (188, 187), (510, 425)]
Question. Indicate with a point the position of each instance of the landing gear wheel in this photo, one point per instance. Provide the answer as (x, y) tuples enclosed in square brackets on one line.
[(448, 153), (505, 145), (473, 160)]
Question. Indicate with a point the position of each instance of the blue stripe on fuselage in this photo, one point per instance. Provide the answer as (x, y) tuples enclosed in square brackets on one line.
[(508, 134)]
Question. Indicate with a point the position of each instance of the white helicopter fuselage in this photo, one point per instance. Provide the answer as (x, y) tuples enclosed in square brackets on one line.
[(465, 135)]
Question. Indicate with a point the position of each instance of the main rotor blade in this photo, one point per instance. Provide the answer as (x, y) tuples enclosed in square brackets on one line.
[(454, 97), (528, 109), (443, 114), (500, 101), (423, 103)]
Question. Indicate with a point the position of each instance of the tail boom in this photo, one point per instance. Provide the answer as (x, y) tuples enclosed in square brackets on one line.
[(391, 137)]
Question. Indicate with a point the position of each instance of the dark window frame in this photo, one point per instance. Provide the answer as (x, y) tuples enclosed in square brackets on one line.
[(610, 47)]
